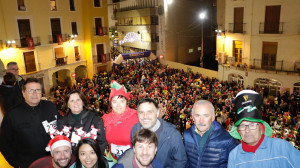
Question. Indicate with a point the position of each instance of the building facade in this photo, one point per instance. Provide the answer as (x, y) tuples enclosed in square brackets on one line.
[(55, 41), (258, 43)]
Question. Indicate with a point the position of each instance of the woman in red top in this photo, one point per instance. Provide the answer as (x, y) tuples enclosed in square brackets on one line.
[(119, 121)]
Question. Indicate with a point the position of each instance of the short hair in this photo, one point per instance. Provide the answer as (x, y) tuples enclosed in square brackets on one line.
[(145, 135), (147, 100), (82, 97), (9, 79), (11, 63), (31, 80), (202, 102)]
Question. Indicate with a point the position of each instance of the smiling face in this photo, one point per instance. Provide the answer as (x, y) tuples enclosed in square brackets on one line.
[(61, 156), (118, 104), (147, 113), (87, 156), (32, 93), (75, 103), (203, 117), (251, 137), (144, 153)]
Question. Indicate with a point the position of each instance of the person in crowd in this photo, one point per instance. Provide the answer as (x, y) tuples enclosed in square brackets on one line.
[(79, 121), (9, 94), (119, 121), (170, 149), (60, 148), (257, 148), (207, 144), (89, 155), (12, 67), (142, 154), (24, 130)]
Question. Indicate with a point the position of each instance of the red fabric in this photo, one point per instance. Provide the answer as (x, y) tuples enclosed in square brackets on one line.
[(118, 127), (249, 148)]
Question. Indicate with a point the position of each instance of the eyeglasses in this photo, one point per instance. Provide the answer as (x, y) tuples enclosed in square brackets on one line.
[(251, 126), (13, 69), (34, 90)]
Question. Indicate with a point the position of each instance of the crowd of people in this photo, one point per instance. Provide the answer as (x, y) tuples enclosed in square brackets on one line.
[(142, 111), (176, 91)]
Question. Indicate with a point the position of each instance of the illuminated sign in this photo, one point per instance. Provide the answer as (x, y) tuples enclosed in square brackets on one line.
[(130, 37)]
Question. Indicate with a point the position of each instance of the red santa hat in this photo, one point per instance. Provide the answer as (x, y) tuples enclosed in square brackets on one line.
[(117, 89), (58, 141)]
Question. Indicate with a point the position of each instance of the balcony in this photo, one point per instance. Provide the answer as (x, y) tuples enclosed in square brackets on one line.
[(271, 28), (100, 31), (61, 61), (58, 38), (137, 4), (237, 27), (101, 58), (26, 42)]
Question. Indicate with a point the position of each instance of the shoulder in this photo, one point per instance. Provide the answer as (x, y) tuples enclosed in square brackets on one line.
[(168, 127), (41, 162), (188, 133)]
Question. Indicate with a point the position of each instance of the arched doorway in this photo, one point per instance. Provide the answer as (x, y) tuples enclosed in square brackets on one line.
[(296, 87), (236, 78), (2, 71), (270, 87), (81, 72), (61, 78)]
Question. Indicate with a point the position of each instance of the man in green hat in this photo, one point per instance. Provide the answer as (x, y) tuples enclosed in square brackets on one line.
[(257, 148)]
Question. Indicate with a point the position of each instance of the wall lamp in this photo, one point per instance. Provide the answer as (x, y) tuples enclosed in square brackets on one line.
[(219, 33), (9, 43)]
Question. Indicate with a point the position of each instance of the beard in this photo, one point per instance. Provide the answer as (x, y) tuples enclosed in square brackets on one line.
[(62, 166)]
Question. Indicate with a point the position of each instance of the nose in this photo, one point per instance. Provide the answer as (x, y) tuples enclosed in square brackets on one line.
[(144, 151), (247, 129)]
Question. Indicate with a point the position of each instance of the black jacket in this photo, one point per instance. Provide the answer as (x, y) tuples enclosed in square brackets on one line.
[(23, 137), (87, 119), (10, 97)]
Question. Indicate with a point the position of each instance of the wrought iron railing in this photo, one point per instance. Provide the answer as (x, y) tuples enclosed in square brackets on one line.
[(100, 31), (271, 27), (61, 61), (237, 27)]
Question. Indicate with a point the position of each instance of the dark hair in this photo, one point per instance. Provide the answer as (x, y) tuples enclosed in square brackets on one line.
[(11, 63), (147, 100), (9, 79), (119, 96), (94, 144), (145, 135), (31, 80), (82, 97)]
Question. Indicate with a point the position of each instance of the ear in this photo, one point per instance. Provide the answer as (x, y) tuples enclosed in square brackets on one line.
[(158, 111)]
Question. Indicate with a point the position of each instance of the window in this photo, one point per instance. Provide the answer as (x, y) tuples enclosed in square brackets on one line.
[(29, 61), (53, 5), (76, 51), (238, 51), (269, 55), (74, 28), (24, 31), (97, 3), (21, 5), (72, 5), (272, 19), (238, 20), (100, 52), (56, 30), (98, 26), (60, 56)]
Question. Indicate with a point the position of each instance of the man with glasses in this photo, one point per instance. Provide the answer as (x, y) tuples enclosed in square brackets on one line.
[(12, 67), (24, 129), (257, 148)]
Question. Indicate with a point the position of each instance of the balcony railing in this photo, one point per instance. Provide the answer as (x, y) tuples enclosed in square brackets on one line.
[(271, 28), (237, 27), (61, 61), (100, 31), (137, 4), (279, 66), (25, 42), (99, 58), (56, 38)]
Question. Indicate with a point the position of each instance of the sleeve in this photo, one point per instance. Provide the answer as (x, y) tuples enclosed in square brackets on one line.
[(101, 138), (7, 140), (293, 153), (230, 161), (178, 151), (231, 145)]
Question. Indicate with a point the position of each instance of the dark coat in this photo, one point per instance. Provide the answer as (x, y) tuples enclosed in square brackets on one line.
[(87, 119), (216, 151), (23, 137)]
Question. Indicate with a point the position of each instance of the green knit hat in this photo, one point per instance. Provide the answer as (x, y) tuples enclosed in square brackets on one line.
[(248, 104)]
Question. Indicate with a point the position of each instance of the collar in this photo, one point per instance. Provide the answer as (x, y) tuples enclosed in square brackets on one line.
[(263, 145)]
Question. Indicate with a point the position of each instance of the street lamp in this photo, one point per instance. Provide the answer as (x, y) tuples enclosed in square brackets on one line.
[(202, 16)]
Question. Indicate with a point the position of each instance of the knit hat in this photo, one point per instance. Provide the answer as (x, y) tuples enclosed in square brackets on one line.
[(248, 104), (58, 141), (117, 89)]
